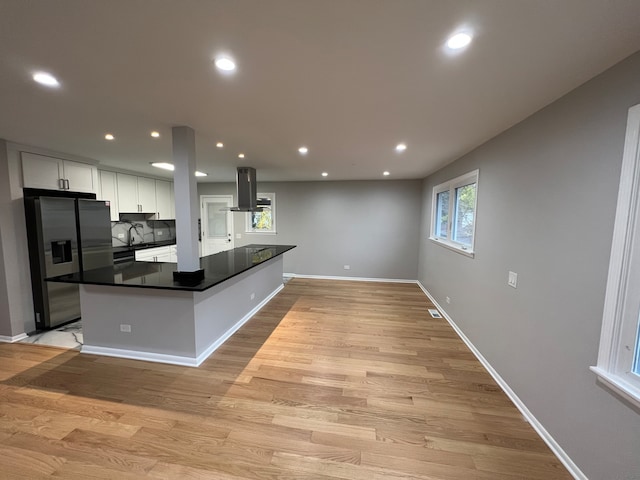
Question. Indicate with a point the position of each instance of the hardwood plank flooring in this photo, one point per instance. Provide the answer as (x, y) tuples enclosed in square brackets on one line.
[(330, 380)]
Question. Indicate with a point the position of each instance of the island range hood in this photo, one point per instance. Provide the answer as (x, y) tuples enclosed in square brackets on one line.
[(247, 190)]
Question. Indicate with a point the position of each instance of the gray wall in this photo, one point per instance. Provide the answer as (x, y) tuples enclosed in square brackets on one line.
[(546, 203), (16, 304), (373, 226)]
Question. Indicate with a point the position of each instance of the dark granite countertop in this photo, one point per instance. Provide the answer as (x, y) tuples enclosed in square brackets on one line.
[(143, 246), (217, 269)]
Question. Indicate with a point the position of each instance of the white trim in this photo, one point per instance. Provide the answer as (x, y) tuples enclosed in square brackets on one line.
[(14, 339), (452, 247), (626, 390), (354, 279), (608, 367), (537, 426), (137, 355), (175, 359)]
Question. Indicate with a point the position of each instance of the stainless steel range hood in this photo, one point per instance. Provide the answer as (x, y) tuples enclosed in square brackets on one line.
[(247, 191)]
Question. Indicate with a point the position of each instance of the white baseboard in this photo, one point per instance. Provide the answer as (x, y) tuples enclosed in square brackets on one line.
[(176, 359), (353, 279), (14, 339), (137, 355), (537, 426), (215, 345)]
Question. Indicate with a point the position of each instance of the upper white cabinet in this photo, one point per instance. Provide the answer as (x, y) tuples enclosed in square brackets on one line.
[(127, 193), (136, 194), (41, 171), (109, 192), (164, 200), (147, 194)]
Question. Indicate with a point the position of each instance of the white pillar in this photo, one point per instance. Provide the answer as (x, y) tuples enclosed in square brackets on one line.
[(186, 198)]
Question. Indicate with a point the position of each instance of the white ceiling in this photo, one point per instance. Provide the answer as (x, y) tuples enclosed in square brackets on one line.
[(348, 78)]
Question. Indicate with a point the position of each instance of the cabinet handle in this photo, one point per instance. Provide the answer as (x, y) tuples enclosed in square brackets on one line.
[(66, 181), (61, 183)]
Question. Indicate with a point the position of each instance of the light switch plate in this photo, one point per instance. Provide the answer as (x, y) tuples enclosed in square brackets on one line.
[(513, 279)]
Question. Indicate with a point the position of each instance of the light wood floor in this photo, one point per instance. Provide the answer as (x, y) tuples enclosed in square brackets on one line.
[(332, 379)]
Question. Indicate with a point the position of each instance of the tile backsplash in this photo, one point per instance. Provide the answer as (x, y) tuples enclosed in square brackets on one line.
[(137, 229)]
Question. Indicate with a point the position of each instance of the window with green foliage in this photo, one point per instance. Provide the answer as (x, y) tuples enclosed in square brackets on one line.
[(454, 212), (263, 221)]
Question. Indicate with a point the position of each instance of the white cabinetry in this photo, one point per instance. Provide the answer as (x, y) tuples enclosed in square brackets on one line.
[(109, 192), (156, 254), (136, 194), (41, 171), (164, 200)]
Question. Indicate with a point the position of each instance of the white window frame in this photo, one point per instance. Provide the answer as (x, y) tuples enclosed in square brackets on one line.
[(272, 230), (622, 298), (451, 185)]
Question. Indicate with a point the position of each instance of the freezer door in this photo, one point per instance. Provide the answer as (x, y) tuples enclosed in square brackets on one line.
[(60, 247), (94, 219)]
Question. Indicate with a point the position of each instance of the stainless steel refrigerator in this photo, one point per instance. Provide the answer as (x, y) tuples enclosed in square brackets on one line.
[(65, 235)]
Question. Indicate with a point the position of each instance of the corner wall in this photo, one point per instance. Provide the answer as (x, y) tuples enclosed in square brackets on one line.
[(372, 226), (546, 203)]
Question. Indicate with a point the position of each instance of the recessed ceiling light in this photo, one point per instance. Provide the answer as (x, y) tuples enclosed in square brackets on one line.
[(459, 40), (155, 134), (46, 79), (385, 173), (200, 174), (109, 136), (325, 174), (163, 165), (241, 155), (303, 150), (401, 147), (219, 145), (225, 64)]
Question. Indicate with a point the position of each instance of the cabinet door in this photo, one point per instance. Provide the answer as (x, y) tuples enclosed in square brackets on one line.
[(39, 171), (127, 193), (163, 200), (79, 176), (147, 194), (109, 192)]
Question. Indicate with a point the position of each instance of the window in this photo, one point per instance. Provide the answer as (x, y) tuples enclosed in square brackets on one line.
[(454, 213), (619, 353), (264, 221)]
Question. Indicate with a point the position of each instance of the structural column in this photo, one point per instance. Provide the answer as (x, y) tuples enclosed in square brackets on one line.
[(186, 198)]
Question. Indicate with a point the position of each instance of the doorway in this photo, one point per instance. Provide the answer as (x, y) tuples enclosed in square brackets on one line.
[(217, 223)]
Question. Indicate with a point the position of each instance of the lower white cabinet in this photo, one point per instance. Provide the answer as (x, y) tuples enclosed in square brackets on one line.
[(156, 254)]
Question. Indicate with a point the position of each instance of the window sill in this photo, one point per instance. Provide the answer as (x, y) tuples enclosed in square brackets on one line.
[(453, 247), (626, 390)]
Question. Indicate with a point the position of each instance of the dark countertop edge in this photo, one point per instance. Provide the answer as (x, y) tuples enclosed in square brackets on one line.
[(182, 288)]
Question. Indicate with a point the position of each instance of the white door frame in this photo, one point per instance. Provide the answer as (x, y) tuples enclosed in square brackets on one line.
[(203, 224)]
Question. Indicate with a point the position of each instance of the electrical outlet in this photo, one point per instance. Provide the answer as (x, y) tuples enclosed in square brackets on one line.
[(347, 267), (512, 281), (253, 295), (238, 236), (125, 328), (448, 300), (159, 232), (121, 235)]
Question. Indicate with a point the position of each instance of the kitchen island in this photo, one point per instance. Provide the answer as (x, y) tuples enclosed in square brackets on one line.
[(137, 309)]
